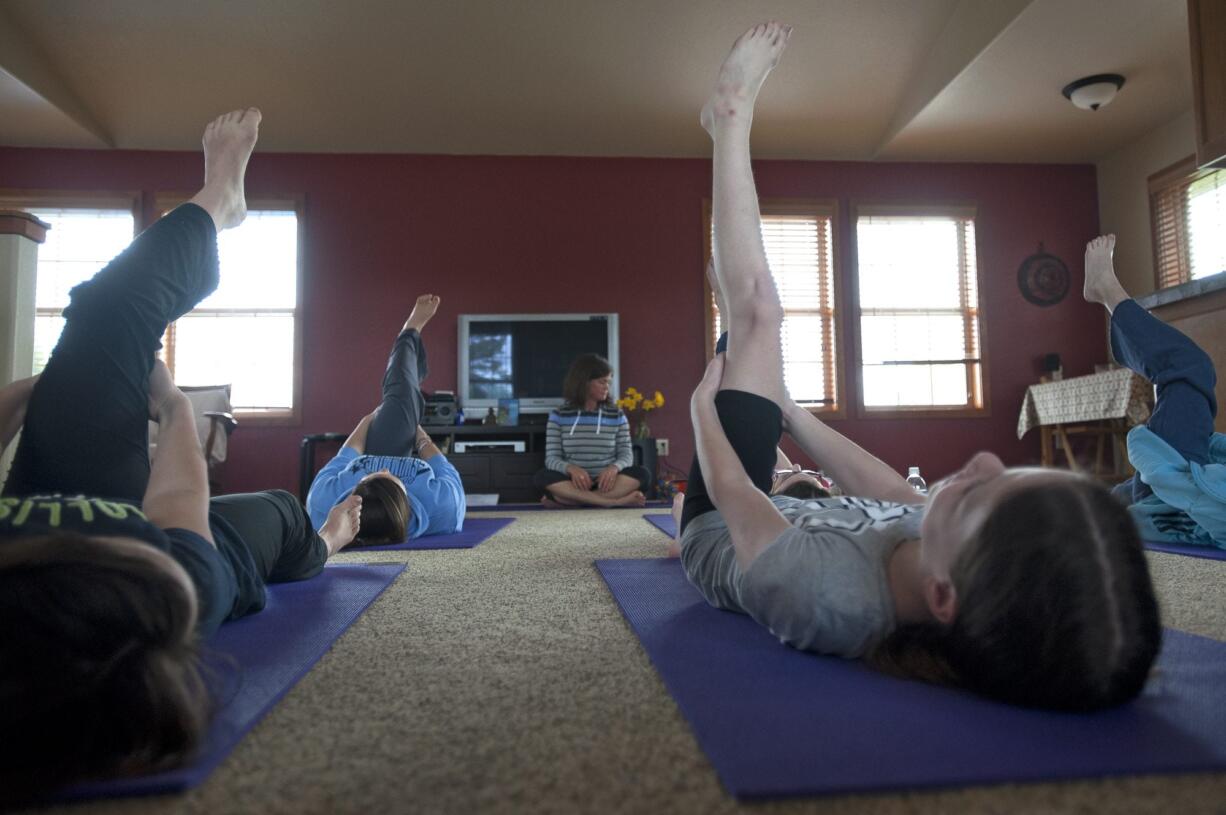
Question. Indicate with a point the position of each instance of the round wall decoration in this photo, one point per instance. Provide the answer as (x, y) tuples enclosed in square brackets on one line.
[(1043, 278)]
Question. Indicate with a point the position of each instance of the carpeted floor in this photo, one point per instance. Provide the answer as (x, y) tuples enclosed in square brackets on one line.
[(504, 679)]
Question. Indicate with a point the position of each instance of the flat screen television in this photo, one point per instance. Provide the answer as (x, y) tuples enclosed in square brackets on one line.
[(526, 357)]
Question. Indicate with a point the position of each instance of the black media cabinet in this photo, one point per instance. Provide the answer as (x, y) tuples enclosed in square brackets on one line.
[(503, 471)]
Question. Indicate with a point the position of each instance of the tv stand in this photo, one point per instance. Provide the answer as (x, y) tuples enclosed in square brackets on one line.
[(498, 469)]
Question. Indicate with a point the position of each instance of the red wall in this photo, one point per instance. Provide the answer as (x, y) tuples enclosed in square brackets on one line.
[(493, 234)]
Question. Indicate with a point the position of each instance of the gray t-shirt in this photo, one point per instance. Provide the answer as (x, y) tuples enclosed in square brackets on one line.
[(822, 585)]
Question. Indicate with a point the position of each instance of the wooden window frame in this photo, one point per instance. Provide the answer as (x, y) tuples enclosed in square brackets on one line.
[(163, 203), (799, 208), (118, 200), (1176, 178), (960, 210)]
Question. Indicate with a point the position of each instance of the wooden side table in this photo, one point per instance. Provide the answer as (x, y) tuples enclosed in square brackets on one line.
[(1098, 407)]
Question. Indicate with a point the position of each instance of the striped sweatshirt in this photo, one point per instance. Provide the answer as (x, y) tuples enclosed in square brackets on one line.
[(591, 439)]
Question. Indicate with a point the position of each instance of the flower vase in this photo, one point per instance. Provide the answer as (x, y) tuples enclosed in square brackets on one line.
[(642, 431)]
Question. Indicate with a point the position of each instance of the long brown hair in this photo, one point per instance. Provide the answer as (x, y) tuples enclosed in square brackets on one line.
[(583, 370), (1056, 606), (385, 512), (99, 665)]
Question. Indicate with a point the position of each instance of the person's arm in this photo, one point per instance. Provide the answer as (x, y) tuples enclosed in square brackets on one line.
[(856, 471), (753, 521), (623, 456), (555, 458), (326, 486), (14, 398), (177, 496), (426, 448), (357, 439)]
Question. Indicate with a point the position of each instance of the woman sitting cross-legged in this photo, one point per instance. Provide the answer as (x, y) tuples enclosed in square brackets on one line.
[(588, 457), (1026, 585), (113, 568), (407, 486)]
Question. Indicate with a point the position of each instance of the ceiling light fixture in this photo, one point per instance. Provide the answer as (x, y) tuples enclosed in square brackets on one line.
[(1092, 92)]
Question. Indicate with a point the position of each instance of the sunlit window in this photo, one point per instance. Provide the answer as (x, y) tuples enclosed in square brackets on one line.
[(1188, 213), (797, 238), (80, 242), (919, 311), (1207, 224), (245, 333)]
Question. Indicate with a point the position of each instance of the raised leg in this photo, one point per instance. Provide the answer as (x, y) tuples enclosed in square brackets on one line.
[(86, 427), (1182, 373), (394, 426), (754, 315)]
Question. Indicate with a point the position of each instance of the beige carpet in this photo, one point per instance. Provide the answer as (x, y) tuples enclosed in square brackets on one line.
[(504, 679)]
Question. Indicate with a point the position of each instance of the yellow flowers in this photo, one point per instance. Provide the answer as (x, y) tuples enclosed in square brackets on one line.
[(633, 400), (637, 406)]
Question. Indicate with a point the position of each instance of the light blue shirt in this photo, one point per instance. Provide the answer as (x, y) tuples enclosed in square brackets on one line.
[(436, 495), (1189, 500)]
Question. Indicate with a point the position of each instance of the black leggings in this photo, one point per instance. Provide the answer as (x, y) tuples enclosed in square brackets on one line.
[(393, 430), (753, 425), (87, 424)]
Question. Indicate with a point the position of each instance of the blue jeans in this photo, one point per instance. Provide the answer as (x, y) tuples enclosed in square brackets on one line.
[(1184, 378)]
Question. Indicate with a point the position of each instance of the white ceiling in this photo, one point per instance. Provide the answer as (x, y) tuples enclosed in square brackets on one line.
[(960, 80)]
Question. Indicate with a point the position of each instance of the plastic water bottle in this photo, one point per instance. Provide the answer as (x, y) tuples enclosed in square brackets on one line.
[(917, 481)]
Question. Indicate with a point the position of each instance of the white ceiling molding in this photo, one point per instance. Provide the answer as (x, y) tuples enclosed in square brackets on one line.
[(25, 63), (971, 29)]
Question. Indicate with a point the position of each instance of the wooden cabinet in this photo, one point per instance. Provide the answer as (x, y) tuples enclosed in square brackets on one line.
[(1207, 33), (487, 465)]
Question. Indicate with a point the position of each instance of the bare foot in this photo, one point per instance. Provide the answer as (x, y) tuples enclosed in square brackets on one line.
[(678, 505), (742, 74), (634, 499), (549, 503), (342, 524), (228, 142), (1102, 286), (423, 310)]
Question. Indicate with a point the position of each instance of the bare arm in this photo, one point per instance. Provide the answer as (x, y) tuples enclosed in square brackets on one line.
[(14, 398), (178, 491), (357, 439), (857, 471), (752, 519), (425, 446)]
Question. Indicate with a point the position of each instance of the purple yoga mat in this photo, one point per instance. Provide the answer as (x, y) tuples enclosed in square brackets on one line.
[(1211, 552), (778, 722), (662, 521), (538, 505), (475, 531), (253, 662)]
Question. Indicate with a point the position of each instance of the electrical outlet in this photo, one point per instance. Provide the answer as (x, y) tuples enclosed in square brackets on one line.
[(661, 447)]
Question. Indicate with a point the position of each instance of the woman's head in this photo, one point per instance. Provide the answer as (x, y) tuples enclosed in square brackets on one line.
[(99, 666), (385, 509), (590, 379), (1039, 587)]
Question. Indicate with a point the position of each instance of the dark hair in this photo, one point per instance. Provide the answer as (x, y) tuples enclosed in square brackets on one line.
[(385, 512), (804, 489), (1056, 607), (583, 370), (99, 665)]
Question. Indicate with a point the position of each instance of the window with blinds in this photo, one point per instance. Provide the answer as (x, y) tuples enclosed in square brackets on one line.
[(245, 333), (919, 313), (84, 235), (797, 237), (1188, 214)]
